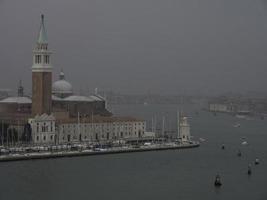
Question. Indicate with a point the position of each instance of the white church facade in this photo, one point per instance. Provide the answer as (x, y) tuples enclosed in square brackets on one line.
[(43, 129)]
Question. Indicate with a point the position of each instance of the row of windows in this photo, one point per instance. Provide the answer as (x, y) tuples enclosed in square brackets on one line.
[(103, 125), (64, 130), (74, 126), (96, 136), (51, 123), (108, 135), (97, 129), (38, 59), (85, 137), (44, 128), (44, 138)]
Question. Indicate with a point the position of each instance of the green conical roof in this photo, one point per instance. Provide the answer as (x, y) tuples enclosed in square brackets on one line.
[(42, 37)]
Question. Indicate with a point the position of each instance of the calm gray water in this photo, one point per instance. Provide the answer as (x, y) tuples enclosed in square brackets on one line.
[(176, 174)]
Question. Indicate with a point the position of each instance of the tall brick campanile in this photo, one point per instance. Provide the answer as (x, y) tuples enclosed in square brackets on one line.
[(41, 75)]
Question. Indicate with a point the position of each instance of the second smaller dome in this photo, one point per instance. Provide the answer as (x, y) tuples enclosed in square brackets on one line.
[(62, 88)]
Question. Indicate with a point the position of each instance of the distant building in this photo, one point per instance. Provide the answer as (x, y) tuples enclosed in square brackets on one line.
[(43, 129), (221, 107), (46, 130), (49, 98), (64, 99), (50, 115), (18, 104), (4, 93), (100, 129), (236, 105)]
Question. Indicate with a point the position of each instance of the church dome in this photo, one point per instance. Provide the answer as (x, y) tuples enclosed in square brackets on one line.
[(62, 88)]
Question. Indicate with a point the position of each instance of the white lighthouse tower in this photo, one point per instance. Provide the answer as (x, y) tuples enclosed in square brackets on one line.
[(184, 130)]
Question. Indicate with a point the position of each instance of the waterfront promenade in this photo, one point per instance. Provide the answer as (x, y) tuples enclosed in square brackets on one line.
[(94, 151)]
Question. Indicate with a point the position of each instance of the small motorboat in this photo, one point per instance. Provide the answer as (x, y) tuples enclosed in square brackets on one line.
[(244, 143), (202, 140), (257, 161), (249, 169), (239, 153), (217, 182), (237, 125)]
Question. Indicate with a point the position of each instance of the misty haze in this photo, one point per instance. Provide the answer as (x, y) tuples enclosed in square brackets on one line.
[(168, 47), (133, 99)]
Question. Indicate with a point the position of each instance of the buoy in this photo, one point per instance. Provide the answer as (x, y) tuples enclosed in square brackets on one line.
[(249, 170), (223, 147), (239, 153)]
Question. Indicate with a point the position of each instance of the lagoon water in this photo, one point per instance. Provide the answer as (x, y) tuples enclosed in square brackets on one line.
[(175, 174)]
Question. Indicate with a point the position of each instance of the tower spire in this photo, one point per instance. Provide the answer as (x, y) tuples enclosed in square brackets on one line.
[(41, 74), (42, 37)]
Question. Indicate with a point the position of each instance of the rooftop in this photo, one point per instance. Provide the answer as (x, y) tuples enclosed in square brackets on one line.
[(99, 119), (18, 100)]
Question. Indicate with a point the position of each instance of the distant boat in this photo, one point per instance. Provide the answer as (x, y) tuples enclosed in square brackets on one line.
[(217, 182), (244, 143), (257, 161), (237, 125), (145, 103), (242, 114), (202, 140)]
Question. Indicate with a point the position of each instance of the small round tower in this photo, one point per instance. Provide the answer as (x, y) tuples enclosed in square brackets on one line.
[(184, 129)]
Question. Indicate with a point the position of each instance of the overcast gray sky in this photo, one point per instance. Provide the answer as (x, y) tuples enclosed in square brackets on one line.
[(136, 46)]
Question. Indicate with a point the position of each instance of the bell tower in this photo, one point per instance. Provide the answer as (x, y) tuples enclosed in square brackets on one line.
[(41, 74)]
